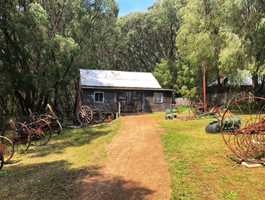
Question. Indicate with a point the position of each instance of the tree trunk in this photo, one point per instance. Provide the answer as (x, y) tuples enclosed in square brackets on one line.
[(204, 88), (21, 101), (77, 104)]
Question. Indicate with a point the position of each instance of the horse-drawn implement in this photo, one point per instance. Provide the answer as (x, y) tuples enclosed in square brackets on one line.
[(245, 137), (242, 124), (36, 131)]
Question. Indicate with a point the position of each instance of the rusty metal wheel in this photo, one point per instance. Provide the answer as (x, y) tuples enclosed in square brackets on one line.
[(1, 161), (40, 133), (6, 148), (85, 115), (243, 128), (19, 135), (53, 121)]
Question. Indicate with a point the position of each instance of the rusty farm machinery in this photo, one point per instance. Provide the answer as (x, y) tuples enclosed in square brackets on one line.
[(90, 115), (242, 125), (243, 129), (35, 131)]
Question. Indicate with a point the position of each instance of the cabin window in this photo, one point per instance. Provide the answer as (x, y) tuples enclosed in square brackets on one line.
[(158, 97), (99, 97)]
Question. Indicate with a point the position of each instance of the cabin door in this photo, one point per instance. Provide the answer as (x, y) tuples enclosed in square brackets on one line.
[(131, 102)]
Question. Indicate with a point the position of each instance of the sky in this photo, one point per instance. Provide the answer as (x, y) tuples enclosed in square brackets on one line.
[(127, 6)]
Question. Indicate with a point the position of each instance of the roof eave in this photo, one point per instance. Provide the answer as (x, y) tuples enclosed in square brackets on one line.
[(124, 88)]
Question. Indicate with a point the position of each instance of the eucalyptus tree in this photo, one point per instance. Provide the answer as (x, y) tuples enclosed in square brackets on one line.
[(198, 38), (246, 20), (144, 38), (207, 44), (43, 43)]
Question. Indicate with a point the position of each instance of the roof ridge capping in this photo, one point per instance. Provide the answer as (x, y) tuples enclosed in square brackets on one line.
[(107, 70), (118, 79)]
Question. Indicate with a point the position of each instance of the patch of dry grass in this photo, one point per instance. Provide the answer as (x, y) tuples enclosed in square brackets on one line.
[(54, 171)]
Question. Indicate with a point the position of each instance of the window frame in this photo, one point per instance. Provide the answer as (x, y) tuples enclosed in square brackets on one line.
[(103, 97), (161, 97)]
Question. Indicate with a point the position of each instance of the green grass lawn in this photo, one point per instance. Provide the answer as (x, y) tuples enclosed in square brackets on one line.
[(55, 171), (200, 168)]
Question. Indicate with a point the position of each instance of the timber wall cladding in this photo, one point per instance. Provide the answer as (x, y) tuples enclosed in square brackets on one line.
[(131, 101), (151, 106), (109, 104)]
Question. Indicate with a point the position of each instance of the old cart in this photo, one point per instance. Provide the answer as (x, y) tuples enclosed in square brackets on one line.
[(88, 115)]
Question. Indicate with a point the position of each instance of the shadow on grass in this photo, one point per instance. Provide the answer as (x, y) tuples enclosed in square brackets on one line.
[(70, 138), (54, 180), (57, 181), (113, 188)]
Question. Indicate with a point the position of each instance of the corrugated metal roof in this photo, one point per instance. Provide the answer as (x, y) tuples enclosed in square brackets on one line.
[(118, 79)]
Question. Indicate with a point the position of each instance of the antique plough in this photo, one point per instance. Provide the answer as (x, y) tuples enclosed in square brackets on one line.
[(24, 135), (36, 131), (243, 129), (50, 118)]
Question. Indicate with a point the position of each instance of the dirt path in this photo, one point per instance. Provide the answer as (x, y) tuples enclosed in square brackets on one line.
[(135, 168)]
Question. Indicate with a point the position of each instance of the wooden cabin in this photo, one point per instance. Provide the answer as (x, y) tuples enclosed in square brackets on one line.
[(123, 92), (240, 86)]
